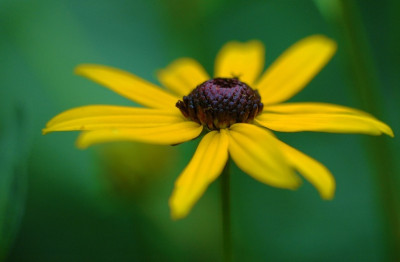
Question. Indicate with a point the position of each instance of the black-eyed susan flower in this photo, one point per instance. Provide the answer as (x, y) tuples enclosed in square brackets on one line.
[(238, 108)]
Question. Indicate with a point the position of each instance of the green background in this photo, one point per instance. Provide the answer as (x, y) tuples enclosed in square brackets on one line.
[(110, 202)]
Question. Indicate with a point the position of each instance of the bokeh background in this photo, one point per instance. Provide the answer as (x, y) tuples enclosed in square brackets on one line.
[(110, 202)]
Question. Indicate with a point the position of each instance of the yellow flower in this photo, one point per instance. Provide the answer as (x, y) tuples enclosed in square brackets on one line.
[(240, 129)]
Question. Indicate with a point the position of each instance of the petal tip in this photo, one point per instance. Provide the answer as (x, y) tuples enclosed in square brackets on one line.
[(327, 43), (295, 183), (80, 69), (81, 143), (328, 196), (254, 43), (329, 192), (177, 212), (175, 215), (87, 69), (323, 39), (389, 132)]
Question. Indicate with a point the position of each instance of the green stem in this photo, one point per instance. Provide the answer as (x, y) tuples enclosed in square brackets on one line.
[(367, 85), (226, 213)]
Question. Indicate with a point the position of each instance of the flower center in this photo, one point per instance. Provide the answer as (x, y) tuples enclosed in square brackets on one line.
[(221, 102)]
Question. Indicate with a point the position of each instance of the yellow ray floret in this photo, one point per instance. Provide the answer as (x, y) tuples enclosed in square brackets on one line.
[(332, 123), (128, 85), (312, 107), (292, 71), (97, 117), (182, 76), (257, 153), (242, 60), (161, 135), (206, 165), (317, 174)]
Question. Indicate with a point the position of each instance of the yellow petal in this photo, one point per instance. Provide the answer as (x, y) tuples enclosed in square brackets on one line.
[(128, 85), (162, 135), (182, 76), (205, 166), (256, 152), (316, 173), (312, 107), (295, 68), (324, 122), (242, 60), (110, 117)]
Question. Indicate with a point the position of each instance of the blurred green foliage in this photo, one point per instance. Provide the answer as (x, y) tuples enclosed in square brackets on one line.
[(85, 206)]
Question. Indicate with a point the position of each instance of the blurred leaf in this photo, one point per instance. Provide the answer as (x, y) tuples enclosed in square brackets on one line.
[(13, 176), (129, 169)]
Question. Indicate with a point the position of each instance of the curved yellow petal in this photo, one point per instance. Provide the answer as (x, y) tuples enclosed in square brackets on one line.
[(295, 68), (182, 76), (205, 166), (170, 134), (328, 122), (110, 117), (257, 153), (312, 107), (316, 173), (242, 60), (128, 85)]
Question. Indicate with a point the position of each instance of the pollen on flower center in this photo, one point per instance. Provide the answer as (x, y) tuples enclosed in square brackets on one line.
[(221, 102)]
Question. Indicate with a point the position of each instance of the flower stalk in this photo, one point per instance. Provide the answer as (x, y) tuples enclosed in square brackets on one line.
[(226, 213)]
